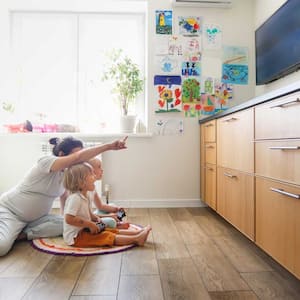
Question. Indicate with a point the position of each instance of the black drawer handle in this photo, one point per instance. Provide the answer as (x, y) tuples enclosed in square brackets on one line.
[(282, 192), (230, 175), (285, 148), (282, 105), (210, 169), (230, 119)]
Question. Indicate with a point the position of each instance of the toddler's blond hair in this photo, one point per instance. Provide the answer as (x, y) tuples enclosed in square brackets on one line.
[(75, 176)]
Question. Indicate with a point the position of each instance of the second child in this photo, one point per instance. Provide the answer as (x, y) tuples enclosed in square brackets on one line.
[(107, 212)]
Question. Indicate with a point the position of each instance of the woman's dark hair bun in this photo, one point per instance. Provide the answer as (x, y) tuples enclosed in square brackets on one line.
[(54, 141)]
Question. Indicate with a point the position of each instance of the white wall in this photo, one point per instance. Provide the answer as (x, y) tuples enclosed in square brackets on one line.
[(163, 169), (263, 10)]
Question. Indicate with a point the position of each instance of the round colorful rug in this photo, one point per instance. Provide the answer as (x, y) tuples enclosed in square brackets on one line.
[(57, 246)]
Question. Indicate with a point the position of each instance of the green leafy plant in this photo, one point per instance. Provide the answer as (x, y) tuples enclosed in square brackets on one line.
[(126, 78), (9, 107)]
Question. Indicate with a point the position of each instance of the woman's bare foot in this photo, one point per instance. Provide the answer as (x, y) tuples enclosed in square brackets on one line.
[(22, 237)]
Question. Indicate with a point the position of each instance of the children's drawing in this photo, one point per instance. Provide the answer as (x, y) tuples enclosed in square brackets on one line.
[(166, 65), (223, 94), (235, 55), (168, 89), (191, 96), (191, 90), (169, 126), (236, 74), (175, 46), (208, 103), (191, 49), (235, 65), (207, 85), (189, 26), (212, 36), (163, 21), (189, 68), (192, 110)]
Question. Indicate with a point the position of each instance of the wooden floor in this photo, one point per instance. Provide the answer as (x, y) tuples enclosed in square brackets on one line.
[(191, 254)]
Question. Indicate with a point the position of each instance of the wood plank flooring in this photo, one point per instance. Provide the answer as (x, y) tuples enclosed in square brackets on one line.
[(191, 254)]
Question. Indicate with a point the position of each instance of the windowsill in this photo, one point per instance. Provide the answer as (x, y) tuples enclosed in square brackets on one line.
[(80, 134)]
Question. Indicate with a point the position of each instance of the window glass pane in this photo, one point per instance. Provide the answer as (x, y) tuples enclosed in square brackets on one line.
[(99, 33), (45, 54)]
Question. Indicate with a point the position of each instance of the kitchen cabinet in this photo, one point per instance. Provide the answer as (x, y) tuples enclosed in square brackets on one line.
[(250, 172)]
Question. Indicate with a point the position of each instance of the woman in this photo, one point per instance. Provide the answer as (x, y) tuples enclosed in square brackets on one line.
[(25, 208)]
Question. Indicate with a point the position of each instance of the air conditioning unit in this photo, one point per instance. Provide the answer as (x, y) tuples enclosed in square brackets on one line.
[(203, 3)]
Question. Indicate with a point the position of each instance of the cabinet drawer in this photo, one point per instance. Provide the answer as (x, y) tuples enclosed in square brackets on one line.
[(235, 140), (277, 215), (211, 186), (202, 150), (285, 153), (210, 131), (210, 153), (278, 118), (202, 183), (235, 199)]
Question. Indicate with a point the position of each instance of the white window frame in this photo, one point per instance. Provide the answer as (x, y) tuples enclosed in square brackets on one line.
[(142, 105)]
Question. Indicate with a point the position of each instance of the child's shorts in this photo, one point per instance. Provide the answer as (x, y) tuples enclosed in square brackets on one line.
[(85, 239)]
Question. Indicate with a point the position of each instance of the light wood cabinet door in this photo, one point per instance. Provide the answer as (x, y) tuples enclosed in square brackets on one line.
[(235, 140), (278, 118), (286, 154), (208, 158), (210, 131), (202, 182), (211, 186), (210, 153), (202, 144), (235, 199), (297, 251), (277, 218)]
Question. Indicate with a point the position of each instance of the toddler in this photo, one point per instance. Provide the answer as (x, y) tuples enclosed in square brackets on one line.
[(80, 224)]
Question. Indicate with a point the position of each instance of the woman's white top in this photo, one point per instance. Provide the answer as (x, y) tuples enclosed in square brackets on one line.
[(33, 197)]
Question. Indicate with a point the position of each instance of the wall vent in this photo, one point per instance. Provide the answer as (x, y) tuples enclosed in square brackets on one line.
[(203, 3)]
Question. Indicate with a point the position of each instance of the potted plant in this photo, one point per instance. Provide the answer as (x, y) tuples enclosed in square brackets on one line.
[(128, 83)]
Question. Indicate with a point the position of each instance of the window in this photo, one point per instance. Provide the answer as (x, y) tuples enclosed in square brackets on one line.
[(59, 60)]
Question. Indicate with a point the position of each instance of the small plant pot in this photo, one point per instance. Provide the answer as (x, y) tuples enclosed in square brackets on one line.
[(128, 124)]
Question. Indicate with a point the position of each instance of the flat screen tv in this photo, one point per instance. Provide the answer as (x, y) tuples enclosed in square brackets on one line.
[(277, 44)]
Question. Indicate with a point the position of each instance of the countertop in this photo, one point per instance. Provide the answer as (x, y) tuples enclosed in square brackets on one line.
[(289, 89)]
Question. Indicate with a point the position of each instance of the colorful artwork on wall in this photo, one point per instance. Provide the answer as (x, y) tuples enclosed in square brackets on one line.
[(191, 47), (235, 65), (212, 36), (207, 85), (237, 74), (166, 65), (223, 94), (189, 68), (173, 126), (189, 26), (175, 46), (191, 96), (163, 21), (168, 91)]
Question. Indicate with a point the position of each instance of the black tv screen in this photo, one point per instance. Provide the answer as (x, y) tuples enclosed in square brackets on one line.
[(277, 44)]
